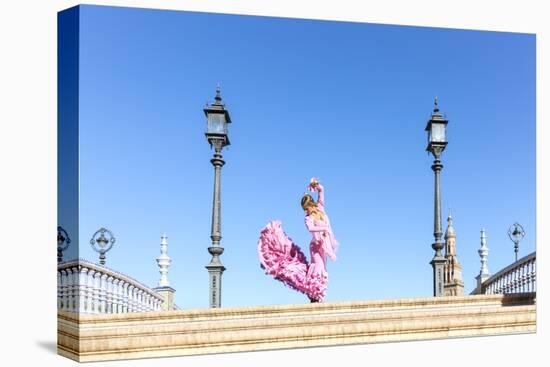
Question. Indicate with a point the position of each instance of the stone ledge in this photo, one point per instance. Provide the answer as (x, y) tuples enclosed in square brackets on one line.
[(175, 333)]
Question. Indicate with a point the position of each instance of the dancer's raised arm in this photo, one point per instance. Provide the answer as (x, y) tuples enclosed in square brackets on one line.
[(321, 196), (314, 185)]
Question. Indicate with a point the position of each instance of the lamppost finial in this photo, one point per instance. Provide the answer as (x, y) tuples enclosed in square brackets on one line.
[(436, 106), (218, 98)]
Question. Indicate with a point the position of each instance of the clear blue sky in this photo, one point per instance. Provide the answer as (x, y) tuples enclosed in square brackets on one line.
[(346, 102)]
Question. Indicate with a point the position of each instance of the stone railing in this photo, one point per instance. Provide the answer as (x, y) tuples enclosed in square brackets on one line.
[(85, 287), (87, 338), (518, 277)]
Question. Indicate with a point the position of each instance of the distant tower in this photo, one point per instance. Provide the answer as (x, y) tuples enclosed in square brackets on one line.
[(453, 284), (483, 253), (163, 262)]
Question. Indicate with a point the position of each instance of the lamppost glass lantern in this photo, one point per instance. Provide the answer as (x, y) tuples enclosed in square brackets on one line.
[(437, 131), (216, 123), (217, 118)]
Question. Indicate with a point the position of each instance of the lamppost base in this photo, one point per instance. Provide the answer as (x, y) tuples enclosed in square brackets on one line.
[(438, 265)]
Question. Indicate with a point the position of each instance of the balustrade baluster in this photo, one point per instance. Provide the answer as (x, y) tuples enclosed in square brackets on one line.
[(59, 290), (74, 289), (520, 279), (135, 299), (528, 278), (534, 276), (103, 293), (514, 281), (132, 298), (116, 301), (64, 290), (125, 297), (82, 271), (90, 290), (68, 288), (140, 300), (110, 294), (95, 292), (120, 296), (524, 277), (138, 303)]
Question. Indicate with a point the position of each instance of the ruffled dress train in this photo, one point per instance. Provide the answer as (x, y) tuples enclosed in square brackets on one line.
[(281, 258)]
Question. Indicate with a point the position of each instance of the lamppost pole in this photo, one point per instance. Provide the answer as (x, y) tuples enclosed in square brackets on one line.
[(218, 163), (217, 120), (438, 232), (438, 261), (437, 141), (215, 267)]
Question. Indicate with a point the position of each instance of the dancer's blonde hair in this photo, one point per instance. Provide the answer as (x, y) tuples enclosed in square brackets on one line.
[(308, 202)]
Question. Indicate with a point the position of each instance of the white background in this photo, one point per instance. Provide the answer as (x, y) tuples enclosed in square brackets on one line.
[(28, 180)]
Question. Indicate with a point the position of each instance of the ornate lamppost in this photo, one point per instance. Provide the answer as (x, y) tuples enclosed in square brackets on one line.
[(516, 234), (217, 117), (437, 141), (63, 242), (102, 241)]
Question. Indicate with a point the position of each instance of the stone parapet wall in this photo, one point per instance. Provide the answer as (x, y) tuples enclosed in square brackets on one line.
[(174, 333)]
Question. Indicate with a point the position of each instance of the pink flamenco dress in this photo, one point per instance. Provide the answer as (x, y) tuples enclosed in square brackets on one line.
[(281, 258)]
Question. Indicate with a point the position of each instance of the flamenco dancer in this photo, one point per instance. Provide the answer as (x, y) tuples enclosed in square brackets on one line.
[(285, 261)]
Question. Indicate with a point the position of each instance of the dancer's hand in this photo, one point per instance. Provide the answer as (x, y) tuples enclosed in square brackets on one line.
[(313, 184)]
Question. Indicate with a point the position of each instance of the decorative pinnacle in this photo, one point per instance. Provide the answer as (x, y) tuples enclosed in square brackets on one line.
[(483, 253), (163, 262)]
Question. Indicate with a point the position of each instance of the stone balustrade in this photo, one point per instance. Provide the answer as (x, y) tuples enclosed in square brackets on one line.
[(89, 288), (518, 277)]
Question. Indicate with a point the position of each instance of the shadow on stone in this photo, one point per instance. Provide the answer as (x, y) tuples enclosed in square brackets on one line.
[(50, 346)]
